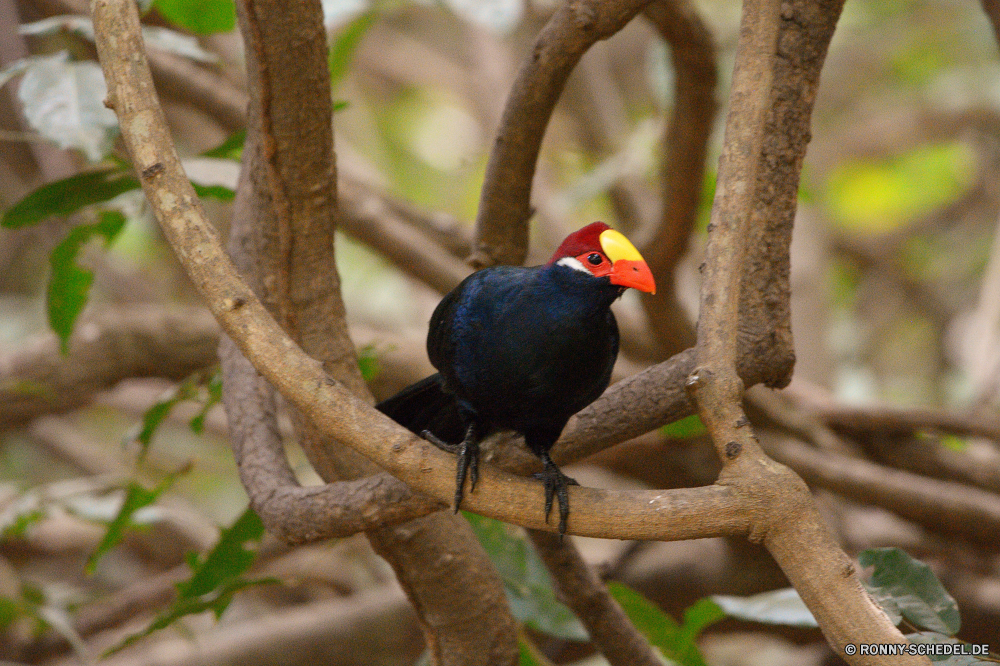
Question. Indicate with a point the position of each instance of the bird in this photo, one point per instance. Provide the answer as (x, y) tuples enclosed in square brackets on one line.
[(523, 349)]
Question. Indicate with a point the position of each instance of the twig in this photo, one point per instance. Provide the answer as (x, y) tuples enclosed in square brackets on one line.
[(890, 419), (377, 623), (375, 221), (946, 506)]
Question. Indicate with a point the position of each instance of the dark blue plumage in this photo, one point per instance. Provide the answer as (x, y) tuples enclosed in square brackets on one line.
[(520, 349), (524, 349)]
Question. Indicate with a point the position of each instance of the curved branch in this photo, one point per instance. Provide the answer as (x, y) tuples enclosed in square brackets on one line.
[(501, 235), (781, 49), (685, 145), (287, 209), (291, 512)]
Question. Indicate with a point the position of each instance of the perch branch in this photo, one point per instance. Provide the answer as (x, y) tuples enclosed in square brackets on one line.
[(674, 514)]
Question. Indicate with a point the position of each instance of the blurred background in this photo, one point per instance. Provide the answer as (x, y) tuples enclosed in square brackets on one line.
[(896, 304)]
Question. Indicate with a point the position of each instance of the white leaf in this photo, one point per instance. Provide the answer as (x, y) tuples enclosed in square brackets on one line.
[(338, 12), (14, 69), (161, 39), (64, 102), (208, 171), (783, 606), (165, 39)]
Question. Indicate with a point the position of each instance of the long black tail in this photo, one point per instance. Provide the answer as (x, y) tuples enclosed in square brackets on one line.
[(426, 406)]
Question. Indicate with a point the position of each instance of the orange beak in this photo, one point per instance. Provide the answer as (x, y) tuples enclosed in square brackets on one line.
[(634, 274), (628, 268)]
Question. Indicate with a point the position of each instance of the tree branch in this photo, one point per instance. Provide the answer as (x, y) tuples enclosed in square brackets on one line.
[(781, 48), (286, 209), (501, 235), (589, 599)]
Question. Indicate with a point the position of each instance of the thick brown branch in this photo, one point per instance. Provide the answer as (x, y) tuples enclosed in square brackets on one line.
[(288, 203), (781, 49)]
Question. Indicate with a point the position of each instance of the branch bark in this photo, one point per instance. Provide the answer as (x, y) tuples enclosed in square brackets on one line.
[(589, 599)]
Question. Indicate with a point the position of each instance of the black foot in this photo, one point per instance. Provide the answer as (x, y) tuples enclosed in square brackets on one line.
[(468, 459), (555, 487)]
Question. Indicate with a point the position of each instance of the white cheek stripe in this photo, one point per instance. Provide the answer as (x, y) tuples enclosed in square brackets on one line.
[(574, 263)]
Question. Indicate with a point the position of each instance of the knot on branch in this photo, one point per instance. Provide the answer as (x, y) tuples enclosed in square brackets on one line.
[(775, 495)]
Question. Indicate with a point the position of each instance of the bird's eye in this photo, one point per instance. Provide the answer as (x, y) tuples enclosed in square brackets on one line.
[(595, 259)]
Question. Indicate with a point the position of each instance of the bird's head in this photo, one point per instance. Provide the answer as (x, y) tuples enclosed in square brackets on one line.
[(603, 252)]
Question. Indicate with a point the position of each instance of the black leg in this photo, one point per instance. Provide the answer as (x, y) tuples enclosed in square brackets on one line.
[(555, 483), (468, 459)]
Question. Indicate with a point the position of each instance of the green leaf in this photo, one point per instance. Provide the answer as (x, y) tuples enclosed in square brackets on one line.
[(966, 654), (218, 192), (215, 579), (526, 580), (676, 642), (69, 284), (685, 428), (189, 389), (10, 610), (368, 362), (783, 606), (214, 397), (21, 523), (228, 559), (880, 196), (901, 583), (216, 603), (343, 47), (230, 149), (67, 196), (528, 654), (136, 497), (202, 17)]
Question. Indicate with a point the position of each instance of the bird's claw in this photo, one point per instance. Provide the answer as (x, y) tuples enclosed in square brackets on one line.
[(555, 483), (468, 459)]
